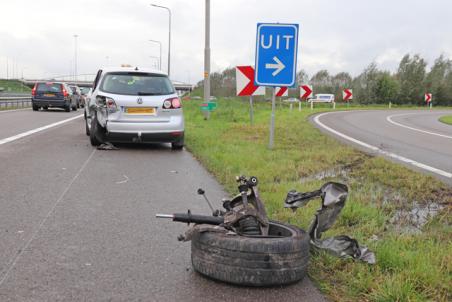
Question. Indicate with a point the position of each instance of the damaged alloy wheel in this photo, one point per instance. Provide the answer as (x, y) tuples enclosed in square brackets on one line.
[(242, 246), (280, 258)]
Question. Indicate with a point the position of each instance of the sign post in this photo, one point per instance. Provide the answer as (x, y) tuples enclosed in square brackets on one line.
[(306, 92), (244, 76), (428, 99), (347, 95), (276, 60), (280, 92)]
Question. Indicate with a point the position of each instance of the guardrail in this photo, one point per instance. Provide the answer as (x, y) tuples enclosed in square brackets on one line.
[(14, 102)]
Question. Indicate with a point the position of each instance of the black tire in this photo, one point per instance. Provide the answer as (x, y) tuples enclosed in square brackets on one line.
[(45, 108), (252, 261), (86, 126), (67, 108), (35, 107), (97, 133), (74, 108), (178, 145)]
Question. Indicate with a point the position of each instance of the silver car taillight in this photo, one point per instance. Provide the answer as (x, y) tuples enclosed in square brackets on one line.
[(167, 104), (172, 103), (111, 105)]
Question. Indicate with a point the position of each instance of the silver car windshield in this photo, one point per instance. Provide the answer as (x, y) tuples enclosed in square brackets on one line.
[(134, 83)]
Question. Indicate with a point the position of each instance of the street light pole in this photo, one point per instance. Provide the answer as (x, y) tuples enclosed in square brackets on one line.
[(156, 59), (169, 35), (75, 57), (160, 47), (207, 54)]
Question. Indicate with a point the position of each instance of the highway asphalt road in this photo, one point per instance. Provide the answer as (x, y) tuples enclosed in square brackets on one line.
[(412, 137), (78, 224)]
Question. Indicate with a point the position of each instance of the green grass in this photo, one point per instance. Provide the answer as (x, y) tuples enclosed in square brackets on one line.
[(410, 267), (447, 119), (13, 86)]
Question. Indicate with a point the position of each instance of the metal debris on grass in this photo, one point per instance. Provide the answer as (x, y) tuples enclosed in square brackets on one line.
[(333, 197)]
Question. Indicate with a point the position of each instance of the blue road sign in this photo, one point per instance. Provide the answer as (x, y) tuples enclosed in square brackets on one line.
[(276, 54)]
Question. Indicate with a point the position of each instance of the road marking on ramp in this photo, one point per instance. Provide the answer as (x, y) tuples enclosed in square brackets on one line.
[(380, 151), (33, 131), (12, 263), (389, 119), (13, 110)]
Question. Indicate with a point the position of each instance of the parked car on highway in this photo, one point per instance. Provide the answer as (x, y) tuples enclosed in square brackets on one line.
[(77, 93), (134, 105), (85, 91), (52, 94), (323, 98)]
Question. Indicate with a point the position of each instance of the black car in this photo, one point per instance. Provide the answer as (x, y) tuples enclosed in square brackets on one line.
[(53, 94), (78, 94)]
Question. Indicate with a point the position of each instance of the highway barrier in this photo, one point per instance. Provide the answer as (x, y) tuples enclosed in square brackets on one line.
[(14, 102)]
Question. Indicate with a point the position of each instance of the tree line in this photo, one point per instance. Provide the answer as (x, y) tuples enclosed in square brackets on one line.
[(373, 86)]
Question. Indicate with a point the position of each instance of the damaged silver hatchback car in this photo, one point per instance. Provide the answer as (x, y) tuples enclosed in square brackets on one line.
[(134, 105)]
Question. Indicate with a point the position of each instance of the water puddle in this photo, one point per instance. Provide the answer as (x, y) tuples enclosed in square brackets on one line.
[(412, 220), (336, 172)]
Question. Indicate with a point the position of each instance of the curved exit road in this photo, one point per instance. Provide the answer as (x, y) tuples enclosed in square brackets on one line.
[(78, 224), (412, 137)]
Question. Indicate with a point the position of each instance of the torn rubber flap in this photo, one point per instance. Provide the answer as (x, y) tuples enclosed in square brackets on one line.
[(333, 197)]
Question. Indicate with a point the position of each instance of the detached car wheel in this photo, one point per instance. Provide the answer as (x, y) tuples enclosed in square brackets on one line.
[(97, 133), (253, 261)]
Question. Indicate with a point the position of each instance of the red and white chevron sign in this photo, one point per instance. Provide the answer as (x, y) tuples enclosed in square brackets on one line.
[(306, 91), (244, 76), (428, 97), (347, 94), (281, 91)]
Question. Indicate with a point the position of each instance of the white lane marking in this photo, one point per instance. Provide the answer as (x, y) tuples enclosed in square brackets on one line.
[(389, 119), (13, 110), (378, 150), (33, 131), (27, 244)]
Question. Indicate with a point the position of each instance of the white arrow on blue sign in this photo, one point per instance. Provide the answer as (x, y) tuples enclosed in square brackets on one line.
[(276, 54)]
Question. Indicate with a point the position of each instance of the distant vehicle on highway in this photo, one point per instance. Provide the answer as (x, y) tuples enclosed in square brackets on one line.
[(134, 105), (85, 91), (323, 98), (53, 94), (77, 93)]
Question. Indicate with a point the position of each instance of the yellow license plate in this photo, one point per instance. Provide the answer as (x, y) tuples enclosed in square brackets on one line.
[(140, 110), (49, 94)]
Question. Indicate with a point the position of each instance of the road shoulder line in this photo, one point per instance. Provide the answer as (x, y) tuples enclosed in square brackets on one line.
[(36, 130), (14, 110), (378, 150), (389, 119)]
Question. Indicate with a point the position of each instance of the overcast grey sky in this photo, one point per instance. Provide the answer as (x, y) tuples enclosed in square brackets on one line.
[(338, 35)]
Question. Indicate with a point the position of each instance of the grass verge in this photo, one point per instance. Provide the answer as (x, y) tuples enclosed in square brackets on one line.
[(411, 266), (447, 119), (12, 86)]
